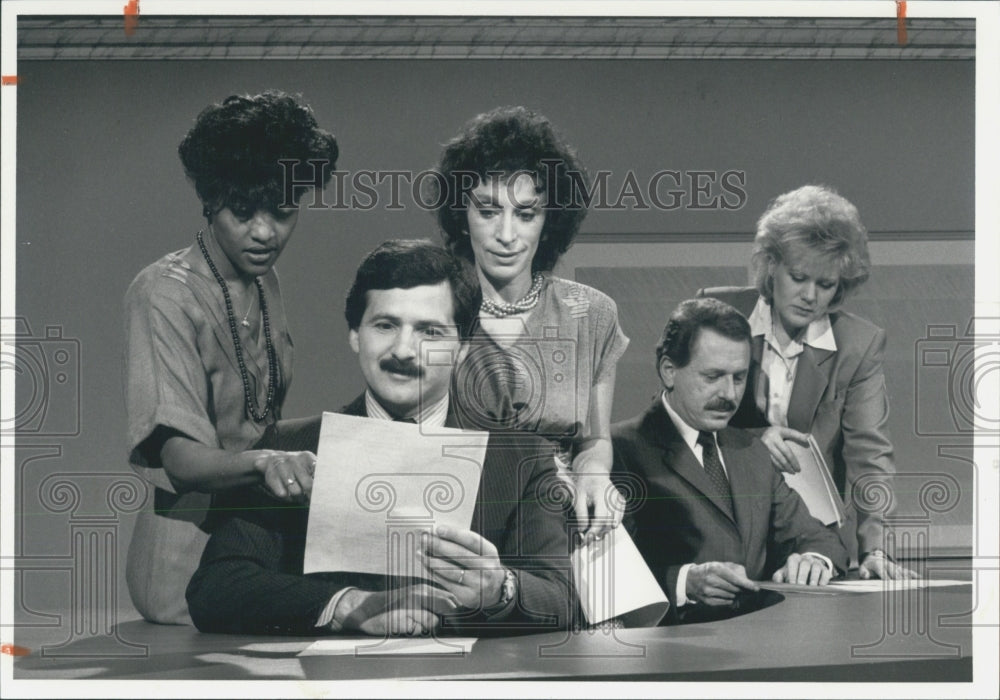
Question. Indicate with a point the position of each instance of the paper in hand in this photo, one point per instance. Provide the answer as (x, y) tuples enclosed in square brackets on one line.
[(613, 581), (379, 484), (814, 484)]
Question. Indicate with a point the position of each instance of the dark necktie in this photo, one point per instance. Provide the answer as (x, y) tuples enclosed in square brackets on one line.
[(412, 421), (713, 468)]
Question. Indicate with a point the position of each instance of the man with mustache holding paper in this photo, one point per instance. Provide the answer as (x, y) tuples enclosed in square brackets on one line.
[(410, 313), (714, 516)]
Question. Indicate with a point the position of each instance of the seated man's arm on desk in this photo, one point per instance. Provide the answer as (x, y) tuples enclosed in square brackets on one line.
[(797, 531), (715, 583), (245, 585), (240, 587)]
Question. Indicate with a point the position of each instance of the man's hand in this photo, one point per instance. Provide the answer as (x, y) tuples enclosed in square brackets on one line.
[(287, 475), (781, 455), (803, 569), (717, 582), (408, 611), (877, 565), (465, 564)]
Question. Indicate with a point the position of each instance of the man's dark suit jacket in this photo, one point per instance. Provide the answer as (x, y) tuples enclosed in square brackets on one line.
[(676, 519), (840, 398), (250, 580)]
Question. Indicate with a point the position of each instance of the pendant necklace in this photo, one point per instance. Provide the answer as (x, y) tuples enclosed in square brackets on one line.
[(272, 361)]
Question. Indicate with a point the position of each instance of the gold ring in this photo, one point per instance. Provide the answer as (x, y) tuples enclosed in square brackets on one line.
[(290, 480)]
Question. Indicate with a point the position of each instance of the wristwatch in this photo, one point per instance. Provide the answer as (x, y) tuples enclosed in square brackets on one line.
[(878, 554), (508, 590)]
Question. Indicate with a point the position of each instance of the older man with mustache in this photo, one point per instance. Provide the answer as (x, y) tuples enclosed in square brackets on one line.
[(712, 516)]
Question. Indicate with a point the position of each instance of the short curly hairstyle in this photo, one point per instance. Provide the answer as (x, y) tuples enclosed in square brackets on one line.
[(231, 153), (816, 220), (503, 143)]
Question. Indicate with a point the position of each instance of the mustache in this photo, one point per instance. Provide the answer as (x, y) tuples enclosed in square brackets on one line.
[(720, 405), (408, 369)]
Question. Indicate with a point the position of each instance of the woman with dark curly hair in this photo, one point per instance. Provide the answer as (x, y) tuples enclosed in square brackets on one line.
[(544, 359), (208, 357), (815, 368)]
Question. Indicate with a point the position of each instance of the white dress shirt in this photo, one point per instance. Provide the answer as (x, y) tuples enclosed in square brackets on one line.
[(433, 416), (773, 388)]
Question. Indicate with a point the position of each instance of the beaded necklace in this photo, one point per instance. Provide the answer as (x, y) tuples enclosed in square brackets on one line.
[(501, 309), (272, 362)]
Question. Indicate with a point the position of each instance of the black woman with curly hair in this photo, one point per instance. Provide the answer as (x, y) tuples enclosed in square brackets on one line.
[(208, 356), (510, 192)]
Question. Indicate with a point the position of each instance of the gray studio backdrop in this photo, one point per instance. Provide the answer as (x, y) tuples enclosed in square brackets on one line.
[(100, 194)]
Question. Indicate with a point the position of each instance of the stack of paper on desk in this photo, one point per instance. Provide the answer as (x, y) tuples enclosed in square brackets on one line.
[(379, 484), (866, 586), (814, 484), (402, 646)]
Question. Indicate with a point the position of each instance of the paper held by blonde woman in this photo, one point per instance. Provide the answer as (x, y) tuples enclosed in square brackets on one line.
[(814, 484)]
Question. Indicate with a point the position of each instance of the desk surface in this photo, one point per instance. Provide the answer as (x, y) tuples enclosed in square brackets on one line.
[(916, 635)]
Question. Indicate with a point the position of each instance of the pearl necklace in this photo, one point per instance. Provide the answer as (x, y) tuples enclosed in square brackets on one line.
[(501, 309), (272, 361)]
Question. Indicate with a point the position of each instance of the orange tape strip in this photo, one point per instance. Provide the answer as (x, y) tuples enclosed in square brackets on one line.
[(131, 17), (9, 80), (901, 22), (12, 650)]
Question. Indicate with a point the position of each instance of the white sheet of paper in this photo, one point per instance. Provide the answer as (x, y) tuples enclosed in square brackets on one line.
[(396, 646), (814, 484), (878, 585), (378, 484), (866, 586), (612, 580)]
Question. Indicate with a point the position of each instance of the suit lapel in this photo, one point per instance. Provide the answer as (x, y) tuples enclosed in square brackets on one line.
[(484, 513), (356, 407), (812, 375), (678, 457), (757, 349)]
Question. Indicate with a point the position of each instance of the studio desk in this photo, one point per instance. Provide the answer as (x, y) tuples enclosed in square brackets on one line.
[(911, 635)]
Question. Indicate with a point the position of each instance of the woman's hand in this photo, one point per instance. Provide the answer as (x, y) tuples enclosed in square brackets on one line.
[(596, 502), (878, 565), (591, 468), (287, 475), (192, 466), (781, 455)]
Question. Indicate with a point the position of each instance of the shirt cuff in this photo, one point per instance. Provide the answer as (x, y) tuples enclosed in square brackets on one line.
[(326, 616), (826, 560), (682, 582)]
